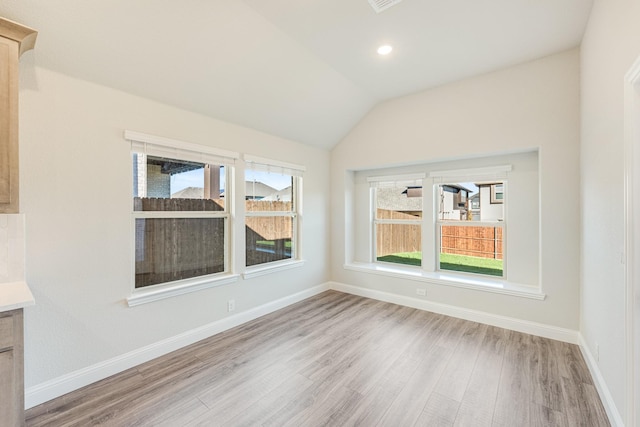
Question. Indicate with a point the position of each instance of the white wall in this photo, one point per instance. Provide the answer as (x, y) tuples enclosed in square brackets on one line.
[(76, 196), (11, 248), (610, 45), (529, 106)]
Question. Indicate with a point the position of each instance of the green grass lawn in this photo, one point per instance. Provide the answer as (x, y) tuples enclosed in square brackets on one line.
[(407, 258), (271, 243), (471, 264), (466, 264)]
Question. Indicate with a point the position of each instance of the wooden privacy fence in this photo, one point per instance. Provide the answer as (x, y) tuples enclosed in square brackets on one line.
[(269, 227), (175, 205), (478, 241), (169, 249), (482, 242), (397, 238), (267, 236)]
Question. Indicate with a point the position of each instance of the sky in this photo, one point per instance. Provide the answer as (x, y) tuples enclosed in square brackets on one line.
[(470, 186), (195, 178)]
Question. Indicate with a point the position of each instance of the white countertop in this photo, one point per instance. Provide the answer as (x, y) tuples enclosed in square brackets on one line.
[(15, 295)]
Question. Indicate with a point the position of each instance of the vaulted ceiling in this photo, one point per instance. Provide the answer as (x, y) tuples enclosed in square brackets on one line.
[(305, 70)]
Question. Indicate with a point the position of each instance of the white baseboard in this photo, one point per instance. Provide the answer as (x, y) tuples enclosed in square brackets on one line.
[(605, 395), (533, 328), (58, 386)]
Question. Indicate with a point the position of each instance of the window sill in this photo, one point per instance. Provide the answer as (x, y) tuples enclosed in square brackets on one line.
[(272, 267), (158, 292), (450, 279)]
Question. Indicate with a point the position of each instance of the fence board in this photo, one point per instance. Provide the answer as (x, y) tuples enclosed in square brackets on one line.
[(177, 205), (397, 238), (178, 248), (483, 242)]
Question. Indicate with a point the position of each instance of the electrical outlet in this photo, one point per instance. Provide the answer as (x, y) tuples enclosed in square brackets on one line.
[(231, 305), (421, 292), (597, 352)]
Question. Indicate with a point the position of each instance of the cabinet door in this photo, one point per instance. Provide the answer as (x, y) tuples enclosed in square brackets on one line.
[(8, 412), (8, 126)]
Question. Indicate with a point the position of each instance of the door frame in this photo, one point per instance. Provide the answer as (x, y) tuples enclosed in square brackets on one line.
[(632, 239)]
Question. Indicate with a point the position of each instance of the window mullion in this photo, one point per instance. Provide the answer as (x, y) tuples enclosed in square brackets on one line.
[(270, 213), (398, 221)]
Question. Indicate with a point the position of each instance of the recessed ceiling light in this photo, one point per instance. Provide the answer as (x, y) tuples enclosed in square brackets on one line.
[(380, 5), (385, 49)]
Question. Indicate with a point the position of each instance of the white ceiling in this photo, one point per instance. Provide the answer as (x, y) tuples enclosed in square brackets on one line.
[(305, 70)]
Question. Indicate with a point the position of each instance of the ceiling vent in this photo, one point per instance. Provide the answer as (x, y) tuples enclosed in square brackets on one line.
[(380, 5)]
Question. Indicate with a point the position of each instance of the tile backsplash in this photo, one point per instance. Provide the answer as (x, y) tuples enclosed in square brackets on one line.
[(11, 247)]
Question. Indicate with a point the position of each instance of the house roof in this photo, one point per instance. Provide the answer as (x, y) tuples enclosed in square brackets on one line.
[(257, 189), (189, 193), (396, 200), (458, 187), (283, 195), (305, 71)]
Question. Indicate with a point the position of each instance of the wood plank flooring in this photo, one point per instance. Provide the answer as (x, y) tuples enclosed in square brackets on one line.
[(342, 360)]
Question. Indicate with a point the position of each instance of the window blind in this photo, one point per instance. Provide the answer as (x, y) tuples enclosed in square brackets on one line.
[(173, 149), (273, 166), (391, 181), (493, 173)]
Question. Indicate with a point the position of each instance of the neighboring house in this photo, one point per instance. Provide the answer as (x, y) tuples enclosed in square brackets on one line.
[(456, 201), (152, 178), (474, 206), (453, 202), (256, 190), (189, 193), (408, 201), (491, 199), (283, 195)]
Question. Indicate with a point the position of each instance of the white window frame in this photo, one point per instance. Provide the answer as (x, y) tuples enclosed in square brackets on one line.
[(448, 222), (262, 164), (477, 175), (393, 181), (429, 274), (164, 147), (494, 200)]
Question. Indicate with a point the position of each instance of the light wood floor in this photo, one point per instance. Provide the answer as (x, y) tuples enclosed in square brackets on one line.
[(338, 359)]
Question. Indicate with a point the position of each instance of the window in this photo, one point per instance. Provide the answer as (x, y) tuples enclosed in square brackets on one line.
[(469, 229), (469, 224), (397, 219), (468, 241), (272, 211), (180, 211), (497, 193), (457, 223)]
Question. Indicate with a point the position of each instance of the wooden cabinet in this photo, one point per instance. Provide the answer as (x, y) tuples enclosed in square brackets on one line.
[(11, 368), (14, 40)]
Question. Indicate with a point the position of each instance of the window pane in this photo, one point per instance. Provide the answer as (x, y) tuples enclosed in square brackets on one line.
[(471, 249), (468, 201), (453, 201), (267, 191), (497, 193), (162, 184), (169, 249), (399, 203), (399, 243), (268, 239)]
